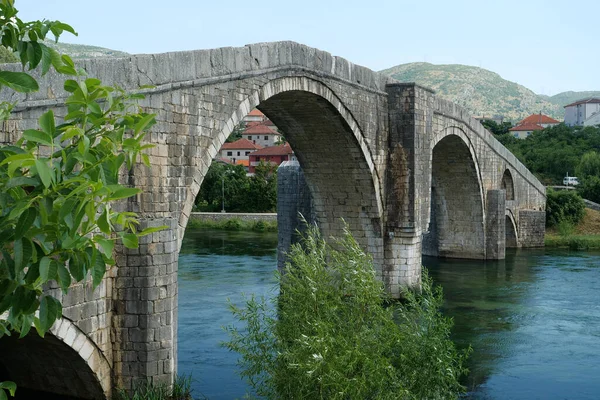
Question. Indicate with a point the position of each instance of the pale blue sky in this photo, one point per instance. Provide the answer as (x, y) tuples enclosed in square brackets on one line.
[(548, 46)]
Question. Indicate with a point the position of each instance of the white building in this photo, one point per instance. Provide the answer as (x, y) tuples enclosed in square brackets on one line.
[(262, 135), (577, 113)]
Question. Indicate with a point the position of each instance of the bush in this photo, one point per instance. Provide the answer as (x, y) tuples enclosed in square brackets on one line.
[(590, 188), (564, 205), (332, 333), (148, 390)]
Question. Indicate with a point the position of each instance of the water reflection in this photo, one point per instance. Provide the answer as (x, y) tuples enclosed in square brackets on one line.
[(532, 319)]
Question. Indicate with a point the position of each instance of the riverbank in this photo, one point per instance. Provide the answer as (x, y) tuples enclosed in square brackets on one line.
[(584, 236), (263, 222)]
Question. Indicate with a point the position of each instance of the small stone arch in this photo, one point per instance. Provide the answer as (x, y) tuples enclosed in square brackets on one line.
[(456, 221), (512, 236), (65, 362), (508, 185)]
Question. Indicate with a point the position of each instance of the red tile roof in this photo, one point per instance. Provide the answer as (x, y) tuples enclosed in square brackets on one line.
[(280, 150), (259, 129), (538, 119), (527, 127), (241, 144), (584, 101), (256, 113)]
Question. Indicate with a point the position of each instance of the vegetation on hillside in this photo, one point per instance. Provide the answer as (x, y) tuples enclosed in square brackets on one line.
[(332, 332)]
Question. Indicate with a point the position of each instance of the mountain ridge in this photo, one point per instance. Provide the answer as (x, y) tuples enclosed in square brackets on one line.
[(484, 92)]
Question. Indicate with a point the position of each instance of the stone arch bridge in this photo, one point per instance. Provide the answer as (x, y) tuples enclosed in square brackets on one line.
[(409, 172)]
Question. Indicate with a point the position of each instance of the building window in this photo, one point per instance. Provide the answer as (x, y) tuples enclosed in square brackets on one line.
[(247, 153), (229, 153), (249, 137), (266, 138)]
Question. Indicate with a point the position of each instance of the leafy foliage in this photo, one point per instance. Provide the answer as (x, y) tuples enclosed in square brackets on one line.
[(242, 194), (589, 188), (181, 390), (555, 151), (564, 206), (57, 182), (496, 128), (331, 335), (7, 56)]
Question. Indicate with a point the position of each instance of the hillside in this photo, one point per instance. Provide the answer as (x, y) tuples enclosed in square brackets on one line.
[(484, 92), (84, 51)]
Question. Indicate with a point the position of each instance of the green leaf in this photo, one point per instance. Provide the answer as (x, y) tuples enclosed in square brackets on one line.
[(106, 245), (71, 85), (33, 135), (26, 324), (48, 314), (47, 123), (103, 222), (25, 221), (77, 267), (34, 54), (10, 386), (146, 120), (21, 181), (44, 172), (123, 193), (46, 58), (98, 268), (64, 277), (130, 240), (48, 269), (19, 81)]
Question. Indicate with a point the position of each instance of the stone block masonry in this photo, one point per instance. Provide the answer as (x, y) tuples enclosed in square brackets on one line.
[(390, 158)]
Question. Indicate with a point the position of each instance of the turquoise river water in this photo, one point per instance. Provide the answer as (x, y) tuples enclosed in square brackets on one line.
[(533, 319)]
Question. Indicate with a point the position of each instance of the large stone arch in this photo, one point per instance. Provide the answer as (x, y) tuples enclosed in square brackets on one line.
[(330, 147), (456, 225), (65, 363)]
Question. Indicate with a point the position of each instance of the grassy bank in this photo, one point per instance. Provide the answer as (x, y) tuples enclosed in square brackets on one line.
[(234, 224), (584, 236)]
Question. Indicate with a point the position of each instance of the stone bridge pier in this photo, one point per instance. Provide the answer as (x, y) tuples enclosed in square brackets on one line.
[(410, 173)]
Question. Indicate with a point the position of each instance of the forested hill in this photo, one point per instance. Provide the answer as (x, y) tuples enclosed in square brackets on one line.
[(484, 92)]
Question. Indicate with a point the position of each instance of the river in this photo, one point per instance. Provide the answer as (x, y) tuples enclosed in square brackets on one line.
[(533, 319)]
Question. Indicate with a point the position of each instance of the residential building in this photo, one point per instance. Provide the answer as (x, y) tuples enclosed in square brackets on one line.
[(254, 116), (523, 130), (593, 120), (539, 119), (272, 155), (578, 112), (238, 152), (262, 135)]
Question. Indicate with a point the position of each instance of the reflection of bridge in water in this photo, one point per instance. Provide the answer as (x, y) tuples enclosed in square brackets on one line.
[(409, 173)]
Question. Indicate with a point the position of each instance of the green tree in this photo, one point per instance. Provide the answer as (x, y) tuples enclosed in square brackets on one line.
[(237, 132), (223, 179), (564, 206), (589, 188), (57, 183), (332, 333), (589, 165), (496, 128), (262, 190)]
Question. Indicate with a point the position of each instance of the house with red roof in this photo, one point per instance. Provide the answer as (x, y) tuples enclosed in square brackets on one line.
[(521, 131), (238, 152), (583, 112), (262, 135), (272, 155), (539, 119), (535, 122)]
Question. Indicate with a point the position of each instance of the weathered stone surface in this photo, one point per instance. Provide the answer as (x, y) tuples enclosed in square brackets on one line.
[(403, 168)]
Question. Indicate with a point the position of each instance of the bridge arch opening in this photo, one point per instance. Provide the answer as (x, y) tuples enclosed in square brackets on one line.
[(511, 233), (50, 368), (456, 223), (508, 185)]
